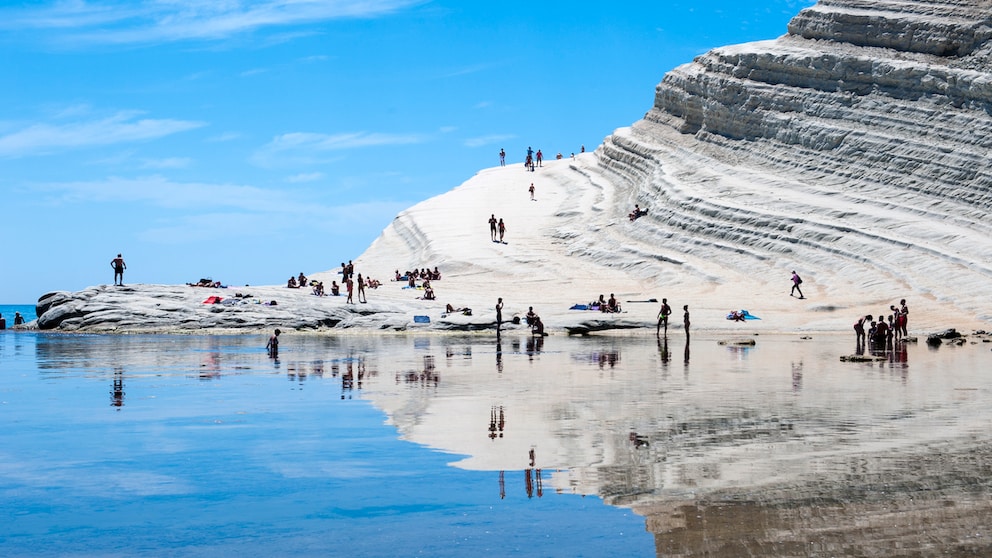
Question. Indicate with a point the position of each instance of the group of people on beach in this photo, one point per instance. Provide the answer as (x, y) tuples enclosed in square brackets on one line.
[(297, 282), (611, 306), (424, 273), (884, 331), (534, 159), (530, 318)]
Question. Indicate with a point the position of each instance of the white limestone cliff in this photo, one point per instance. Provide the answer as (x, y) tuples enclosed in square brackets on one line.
[(854, 149)]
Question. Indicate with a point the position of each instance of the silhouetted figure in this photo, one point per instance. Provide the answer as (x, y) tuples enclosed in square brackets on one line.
[(273, 345), (119, 267)]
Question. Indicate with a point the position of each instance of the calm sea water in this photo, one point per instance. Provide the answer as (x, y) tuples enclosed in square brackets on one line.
[(469, 446)]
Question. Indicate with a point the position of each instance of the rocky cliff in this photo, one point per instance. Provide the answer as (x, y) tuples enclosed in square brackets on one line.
[(856, 148)]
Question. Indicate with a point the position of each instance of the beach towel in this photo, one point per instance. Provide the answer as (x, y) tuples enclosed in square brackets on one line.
[(579, 307), (747, 315), (421, 319), (213, 300)]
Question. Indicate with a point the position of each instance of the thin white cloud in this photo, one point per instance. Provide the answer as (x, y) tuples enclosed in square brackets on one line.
[(483, 141), (305, 177), (123, 127), (151, 21), (161, 192), (226, 136), (193, 211), (167, 163), (312, 148)]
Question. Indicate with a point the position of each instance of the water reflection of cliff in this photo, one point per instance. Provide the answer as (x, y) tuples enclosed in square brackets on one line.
[(777, 449)]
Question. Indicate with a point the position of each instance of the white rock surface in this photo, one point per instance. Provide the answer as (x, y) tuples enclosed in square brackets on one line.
[(854, 150)]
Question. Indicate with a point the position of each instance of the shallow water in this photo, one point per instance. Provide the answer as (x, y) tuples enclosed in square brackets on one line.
[(465, 446)]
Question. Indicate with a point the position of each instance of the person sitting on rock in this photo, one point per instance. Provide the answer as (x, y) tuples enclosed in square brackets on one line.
[(612, 305), (335, 289), (428, 293), (637, 213), (531, 317), (302, 280), (537, 328), (291, 284)]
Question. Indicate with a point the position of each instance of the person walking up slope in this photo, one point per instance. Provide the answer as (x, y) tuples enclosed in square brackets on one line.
[(796, 281)]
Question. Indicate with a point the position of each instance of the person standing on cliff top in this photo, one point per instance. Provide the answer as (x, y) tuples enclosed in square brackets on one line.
[(796, 281), (540, 157), (502, 157), (119, 267)]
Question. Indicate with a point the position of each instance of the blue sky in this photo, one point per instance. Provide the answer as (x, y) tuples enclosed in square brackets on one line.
[(250, 140)]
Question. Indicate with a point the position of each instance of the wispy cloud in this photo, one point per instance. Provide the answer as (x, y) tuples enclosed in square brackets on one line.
[(193, 211), (312, 148), (167, 163), (122, 127), (483, 141), (305, 177), (226, 136), (161, 192), (156, 21)]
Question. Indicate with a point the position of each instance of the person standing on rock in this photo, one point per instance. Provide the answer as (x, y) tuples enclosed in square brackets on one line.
[(502, 230), (361, 289), (273, 345), (663, 313), (531, 191), (119, 267), (685, 319), (903, 317), (499, 313), (350, 283), (492, 227), (796, 281), (502, 157)]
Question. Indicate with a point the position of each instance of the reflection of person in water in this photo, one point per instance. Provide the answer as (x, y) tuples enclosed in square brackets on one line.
[(638, 440), (534, 345), (663, 350), (117, 395), (499, 355), (496, 424), (687, 353)]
